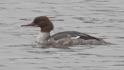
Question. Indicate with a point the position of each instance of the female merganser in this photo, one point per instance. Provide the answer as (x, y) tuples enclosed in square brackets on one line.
[(62, 39)]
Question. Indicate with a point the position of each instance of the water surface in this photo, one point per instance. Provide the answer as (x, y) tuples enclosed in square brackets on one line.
[(100, 18)]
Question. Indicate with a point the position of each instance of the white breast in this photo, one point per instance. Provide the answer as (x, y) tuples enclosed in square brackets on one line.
[(43, 37)]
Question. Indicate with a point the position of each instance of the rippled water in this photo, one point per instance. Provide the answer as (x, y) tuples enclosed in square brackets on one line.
[(100, 18)]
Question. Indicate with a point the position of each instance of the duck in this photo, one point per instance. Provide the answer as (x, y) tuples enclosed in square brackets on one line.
[(61, 39)]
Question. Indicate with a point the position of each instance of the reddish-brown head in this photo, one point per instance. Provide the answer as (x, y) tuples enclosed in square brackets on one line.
[(43, 22)]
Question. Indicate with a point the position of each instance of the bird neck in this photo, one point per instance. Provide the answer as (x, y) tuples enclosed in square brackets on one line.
[(43, 37)]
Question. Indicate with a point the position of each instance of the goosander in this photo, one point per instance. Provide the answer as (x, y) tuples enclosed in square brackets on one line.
[(61, 39)]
